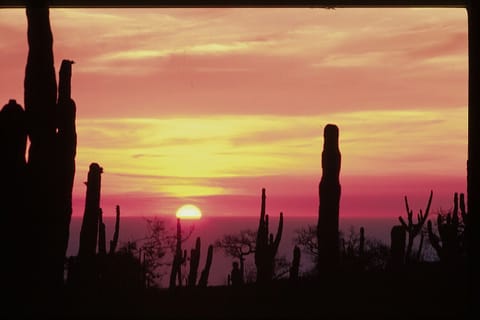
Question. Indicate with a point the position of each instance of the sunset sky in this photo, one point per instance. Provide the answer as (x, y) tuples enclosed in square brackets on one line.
[(207, 106)]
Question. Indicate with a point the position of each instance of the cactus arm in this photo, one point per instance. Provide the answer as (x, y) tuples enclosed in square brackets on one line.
[(278, 236), (114, 241), (206, 270)]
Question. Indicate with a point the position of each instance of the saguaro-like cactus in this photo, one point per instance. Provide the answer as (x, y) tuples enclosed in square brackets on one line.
[(178, 260), (89, 230), (13, 139), (266, 247), (194, 263), (102, 237), (206, 270), (414, 229), (51, 158), (450, 241), (329, 194)]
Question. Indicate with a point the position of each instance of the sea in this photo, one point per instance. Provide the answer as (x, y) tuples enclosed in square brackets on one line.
[(210, 229)]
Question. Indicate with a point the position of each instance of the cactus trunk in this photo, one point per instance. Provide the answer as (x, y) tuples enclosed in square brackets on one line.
[(114, 241), (203, 282), (266, 247), (51, 159), (194, 262), (329, 194)]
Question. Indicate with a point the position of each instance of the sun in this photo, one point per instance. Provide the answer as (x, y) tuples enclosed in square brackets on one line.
[(189, 211)]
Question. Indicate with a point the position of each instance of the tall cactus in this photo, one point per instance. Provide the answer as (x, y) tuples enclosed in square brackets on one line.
[(194, 263), (450, 241), (398, 237), (51, 157), (329, 194), (179, 259), (66, 145), (294, 269), (206, 270), (89, 230), (13, 139), (414, 229), (266, 247)]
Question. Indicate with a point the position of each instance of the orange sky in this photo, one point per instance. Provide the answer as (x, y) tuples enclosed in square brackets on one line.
[(207, 106)]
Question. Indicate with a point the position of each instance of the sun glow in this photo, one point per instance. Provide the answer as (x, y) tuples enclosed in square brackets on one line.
[(189, 211)]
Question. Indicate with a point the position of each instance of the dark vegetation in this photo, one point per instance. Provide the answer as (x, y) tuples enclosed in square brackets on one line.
[(355, 276)]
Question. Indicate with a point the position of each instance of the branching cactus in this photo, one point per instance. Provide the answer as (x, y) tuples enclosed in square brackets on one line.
[(414, 229), (329, 194), (178, 260), (50, 125), (450, 241), (194, 263), (266, 246)]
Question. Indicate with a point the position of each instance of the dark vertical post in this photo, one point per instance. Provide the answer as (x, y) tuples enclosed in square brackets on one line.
[(473, 163)]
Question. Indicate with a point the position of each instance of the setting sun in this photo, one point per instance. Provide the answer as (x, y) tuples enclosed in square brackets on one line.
[(189, 211)]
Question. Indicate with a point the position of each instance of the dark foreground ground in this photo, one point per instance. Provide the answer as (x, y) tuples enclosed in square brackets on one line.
[(399, 295)]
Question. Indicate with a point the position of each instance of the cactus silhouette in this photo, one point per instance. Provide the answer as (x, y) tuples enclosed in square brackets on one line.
[(414, 229), (13, 139), (90, 222), (450, 241), (194, 262), (114, 241), (295, 264), (102, 237), (398, 237), (266, 247), (329, 194), (178, 259), (203, 282), (50, 124)]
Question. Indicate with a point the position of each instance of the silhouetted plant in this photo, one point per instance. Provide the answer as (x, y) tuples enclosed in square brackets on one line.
[(238, 246), (373, 256), (265, 246), (179, 258), (91, 215), (294, 269), (235, 278), (414, 229), (13, 139), (306, 238), (329, 194), (102, 238), (194, 262), (449, 244), (203, 282), (114, 241), (50, 126), (398, 237)]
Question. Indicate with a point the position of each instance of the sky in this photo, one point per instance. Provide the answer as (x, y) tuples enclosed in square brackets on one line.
[(207, 106)]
